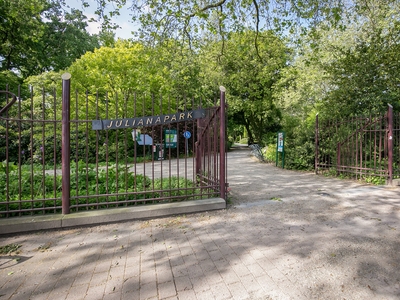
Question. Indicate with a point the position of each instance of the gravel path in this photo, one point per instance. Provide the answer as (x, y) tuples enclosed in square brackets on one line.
[(285, 235)]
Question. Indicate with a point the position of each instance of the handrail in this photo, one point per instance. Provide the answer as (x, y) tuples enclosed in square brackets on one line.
[(7, 107)]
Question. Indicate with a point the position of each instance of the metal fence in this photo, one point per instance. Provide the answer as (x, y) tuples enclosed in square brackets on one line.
[(86, 151), (359, 147)]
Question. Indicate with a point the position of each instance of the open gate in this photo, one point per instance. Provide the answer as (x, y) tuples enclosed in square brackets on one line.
[(90, 151), (363, 147)]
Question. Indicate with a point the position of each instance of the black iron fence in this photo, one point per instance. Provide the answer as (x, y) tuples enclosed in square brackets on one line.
[(364, 147), (91, 151)]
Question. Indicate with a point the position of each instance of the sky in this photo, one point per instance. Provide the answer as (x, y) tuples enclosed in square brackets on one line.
[(124, 20)]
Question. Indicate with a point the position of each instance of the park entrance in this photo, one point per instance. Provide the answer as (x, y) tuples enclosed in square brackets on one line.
[(64, 152)]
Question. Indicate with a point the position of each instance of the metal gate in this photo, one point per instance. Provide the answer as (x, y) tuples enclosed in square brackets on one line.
[(359, 147), (86, 151)]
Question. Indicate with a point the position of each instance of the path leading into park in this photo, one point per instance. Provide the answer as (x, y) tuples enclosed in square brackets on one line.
[(285, 235)]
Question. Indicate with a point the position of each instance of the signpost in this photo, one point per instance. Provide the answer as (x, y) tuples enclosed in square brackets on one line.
[(170, 138), (187, 136), (280, 148)]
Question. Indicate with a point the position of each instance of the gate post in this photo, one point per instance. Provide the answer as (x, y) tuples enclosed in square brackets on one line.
[(65, 143), (222, 175), (316, 144), (390, 144)]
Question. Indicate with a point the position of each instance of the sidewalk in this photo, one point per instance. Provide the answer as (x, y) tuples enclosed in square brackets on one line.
[(285, 235)]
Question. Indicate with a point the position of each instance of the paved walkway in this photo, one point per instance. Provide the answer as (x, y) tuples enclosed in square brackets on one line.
[(285, 235)]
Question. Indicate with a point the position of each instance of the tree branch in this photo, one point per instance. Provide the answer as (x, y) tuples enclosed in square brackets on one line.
[(257, 28), (207, 7)]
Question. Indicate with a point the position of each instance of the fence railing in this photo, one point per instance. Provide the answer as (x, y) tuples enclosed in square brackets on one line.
[(55, 160), (360, 147)]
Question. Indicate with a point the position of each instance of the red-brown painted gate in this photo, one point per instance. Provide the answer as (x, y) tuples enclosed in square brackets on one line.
[(363, 147), (103, 151)]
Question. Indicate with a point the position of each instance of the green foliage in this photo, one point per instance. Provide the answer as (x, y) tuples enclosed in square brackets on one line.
[(39, 35), (270, 153), (45, 188)]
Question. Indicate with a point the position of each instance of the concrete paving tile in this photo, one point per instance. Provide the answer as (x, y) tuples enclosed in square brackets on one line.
[(130, 284), (205, 295), (221, 291), (229, 277), (95, 292), (183, 283), (164, 275), (114, 285), (148, 277), (103, 266), (250, 283), (180, 270), (240, 269), (187, 295), (256, 270), (130, 295), (213, 277), (166, 290), (148, 291), (195, 271), (82, 279), (176, 261), (99, 279), (238, 291), (17, 296), (77, 292)]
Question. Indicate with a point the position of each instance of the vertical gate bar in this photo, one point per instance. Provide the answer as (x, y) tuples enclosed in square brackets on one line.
[(116, 148), (65, 137), (390, 144), (162, 145), (194, 133), (222, 144), (7, 157), (170, 150), (153, 148), (19, 148), (87, 147), (135, 149), (55, 150), (31, 141), (126, 149), (42, 148), (106, 146), (76, 153), (97, 147), (177, 144), (186, 146), (316, 144)]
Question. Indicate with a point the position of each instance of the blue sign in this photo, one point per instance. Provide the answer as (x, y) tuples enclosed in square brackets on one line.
[(187, 135)]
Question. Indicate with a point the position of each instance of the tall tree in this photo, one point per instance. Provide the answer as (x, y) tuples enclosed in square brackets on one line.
[(38, 36), (249, 74)]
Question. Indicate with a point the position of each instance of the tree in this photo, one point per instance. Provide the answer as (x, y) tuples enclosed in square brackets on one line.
[(249, 76), (38, 36)]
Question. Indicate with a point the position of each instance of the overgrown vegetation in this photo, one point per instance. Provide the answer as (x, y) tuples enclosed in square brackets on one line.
[(31, 182)]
